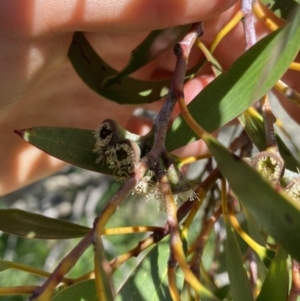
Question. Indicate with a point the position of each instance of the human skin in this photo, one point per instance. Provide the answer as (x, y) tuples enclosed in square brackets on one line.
[(39, 87)]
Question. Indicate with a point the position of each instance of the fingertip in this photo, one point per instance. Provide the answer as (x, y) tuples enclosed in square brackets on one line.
[(193, 149), (139, 125)]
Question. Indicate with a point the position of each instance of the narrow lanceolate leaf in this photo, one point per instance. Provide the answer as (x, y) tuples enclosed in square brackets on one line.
[(32, 225), (156, 43), (266, 259), (247, 80), (239, 283), (253, 124), (275, 213), (81, 291), (93, 71), (101, 277), (74, 146), (277, 277), (149, 281)]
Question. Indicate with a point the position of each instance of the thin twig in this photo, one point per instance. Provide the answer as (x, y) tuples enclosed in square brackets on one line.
[(288, 92), (269, 120), (172, 264), (44, 292), (248, 23), (239, 142), (201, 240), (134, 252), (129, 230), (37, 272), (226, 29), (160, 125), (268, 20), (17, 290), (192, 159), (295, 66)]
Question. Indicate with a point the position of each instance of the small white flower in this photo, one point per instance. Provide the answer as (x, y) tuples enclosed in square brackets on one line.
[(147, 186), (293, 189), (186, 195)]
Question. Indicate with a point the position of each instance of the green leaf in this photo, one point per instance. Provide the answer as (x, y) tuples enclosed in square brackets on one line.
[(149, 280), (101, 279), (254, 127), (93, 71), (32, 225), (277, 277), (74, 146), (248, 79), (281, 8), (156, 43), (239, 283), (273, 211), (81, 291), (255, 234)]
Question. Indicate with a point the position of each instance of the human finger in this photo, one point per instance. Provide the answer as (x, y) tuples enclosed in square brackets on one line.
[(122, 16)]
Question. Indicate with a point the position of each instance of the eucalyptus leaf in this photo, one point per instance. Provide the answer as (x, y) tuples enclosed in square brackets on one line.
[(101, 279), (250, 77), (32, 225), (274, 212), (277, 277), (93, 71), (255, 234), (81, 291), (239, 283), (149, 280), (156, 43), (74, 146)]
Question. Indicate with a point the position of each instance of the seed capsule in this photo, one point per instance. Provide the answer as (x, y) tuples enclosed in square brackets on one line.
[(270, 165), (122, 157)]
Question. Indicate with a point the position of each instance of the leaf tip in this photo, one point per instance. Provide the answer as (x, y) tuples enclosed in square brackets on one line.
[(20, 132)]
